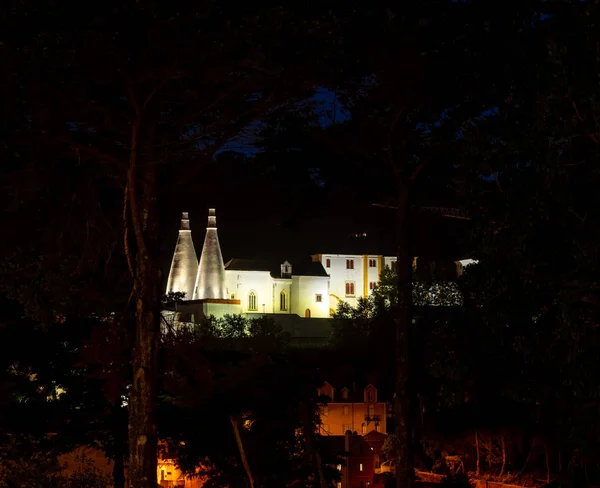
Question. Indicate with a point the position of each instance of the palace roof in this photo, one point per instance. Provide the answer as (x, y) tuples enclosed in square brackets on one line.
[(299, 268)]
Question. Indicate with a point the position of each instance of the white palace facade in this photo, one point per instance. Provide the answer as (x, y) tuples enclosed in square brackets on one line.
[(308, 290)]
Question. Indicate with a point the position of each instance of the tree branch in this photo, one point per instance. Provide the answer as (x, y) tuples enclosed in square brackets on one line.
[(593, 137), (238, 440), (92, 151), (420, 167), (126, 231)]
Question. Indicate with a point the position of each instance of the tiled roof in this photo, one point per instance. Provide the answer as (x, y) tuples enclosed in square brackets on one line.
[(304, 267)]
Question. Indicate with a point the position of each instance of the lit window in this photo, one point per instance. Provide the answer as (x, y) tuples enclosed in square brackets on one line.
[(377, 427), (252, 301), (283, 300), (364, 428), (371, 411), (372, 263), (345, 409), (372, 285), (349, 288), (349, 263), (360, 468), (328, 263), (339, 467), (319, 298)]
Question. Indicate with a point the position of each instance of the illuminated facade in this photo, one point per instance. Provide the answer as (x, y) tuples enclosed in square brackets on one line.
[(169, 475), (284, 290), (349, 410), (353, 276), (253, 287), (242, 286)]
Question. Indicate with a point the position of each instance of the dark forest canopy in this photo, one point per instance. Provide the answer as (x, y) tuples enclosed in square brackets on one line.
[(493, 108)]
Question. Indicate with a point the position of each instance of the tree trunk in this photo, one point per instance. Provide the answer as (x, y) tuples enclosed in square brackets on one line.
[(143, 441), (559, 461), (547, 462), (503, 445), (119, 448), (308, 431), (235, 425), (402, 405), (531, 446), (477, 454)]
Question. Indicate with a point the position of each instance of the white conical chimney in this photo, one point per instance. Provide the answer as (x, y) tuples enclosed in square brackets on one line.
[(182, 276), (210, 281)]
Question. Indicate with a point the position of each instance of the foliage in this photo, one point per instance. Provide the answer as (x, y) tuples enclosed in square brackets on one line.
[(26, 464), (389, 448), (229, 369), (128, 90), (58, 380), (86, 476), (496, 108), (29, 464), (373, 315), (534, 294), (171, 299)]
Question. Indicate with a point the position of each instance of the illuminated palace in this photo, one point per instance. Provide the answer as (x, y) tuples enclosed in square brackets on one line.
[(288, 290)]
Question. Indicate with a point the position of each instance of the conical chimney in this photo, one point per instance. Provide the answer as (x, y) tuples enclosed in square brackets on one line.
[(182, 276), (210, 281)]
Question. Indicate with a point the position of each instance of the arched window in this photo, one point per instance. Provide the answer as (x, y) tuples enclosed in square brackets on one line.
[(307, 313), (252, 301), (283, 300)]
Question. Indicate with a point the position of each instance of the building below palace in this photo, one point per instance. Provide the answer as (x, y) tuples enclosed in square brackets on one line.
[(353, 424), (348, 409)]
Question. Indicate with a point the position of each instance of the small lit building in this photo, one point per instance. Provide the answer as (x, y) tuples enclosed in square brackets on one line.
[(357, 411)]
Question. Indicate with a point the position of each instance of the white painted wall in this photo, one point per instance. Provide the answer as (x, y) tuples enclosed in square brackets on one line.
[(221, 309), (339, 275), (241, 283), (304, 296)]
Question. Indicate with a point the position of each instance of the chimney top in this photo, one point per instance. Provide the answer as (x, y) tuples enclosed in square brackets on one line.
[(212, 219), (185, 221)]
